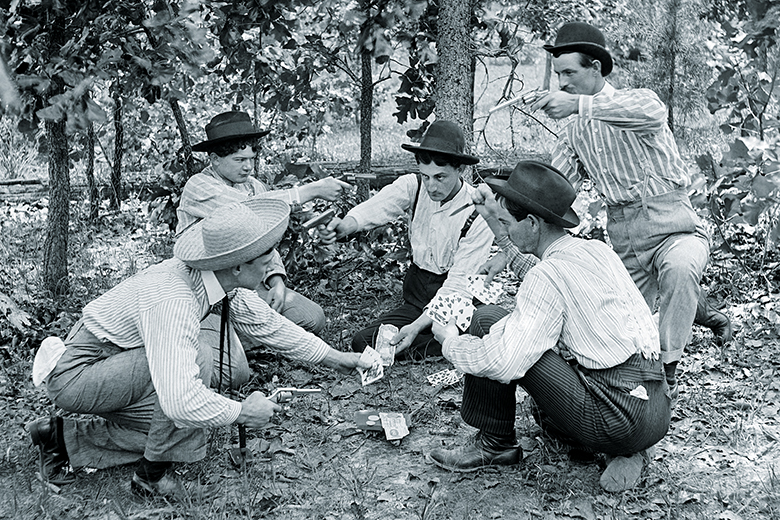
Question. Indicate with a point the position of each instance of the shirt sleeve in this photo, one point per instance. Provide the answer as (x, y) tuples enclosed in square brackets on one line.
[(170, 334), (516, 342), (565, 159), (518, 262), (252, 316), (636, 110), (392, 202)]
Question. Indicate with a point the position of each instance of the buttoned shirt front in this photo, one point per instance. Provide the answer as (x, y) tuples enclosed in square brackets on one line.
[(580, 301), (161, 309), (433, 233), (623, 141)]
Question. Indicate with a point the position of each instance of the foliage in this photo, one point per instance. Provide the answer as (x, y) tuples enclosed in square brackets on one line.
[(746, 90)]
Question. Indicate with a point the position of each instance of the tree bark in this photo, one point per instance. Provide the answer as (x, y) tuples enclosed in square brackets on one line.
[(189, 165), (55, 247), (667, 58), (455, 71), (94, 194), (116, 171), (366, 106)]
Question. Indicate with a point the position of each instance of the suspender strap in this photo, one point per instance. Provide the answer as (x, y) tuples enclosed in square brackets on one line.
[(416, 196)]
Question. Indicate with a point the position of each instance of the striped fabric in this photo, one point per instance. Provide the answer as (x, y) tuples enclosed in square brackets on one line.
[(161, 308), (579, 301), (434, 234), (207, 191), (622, 140), (518, 262)]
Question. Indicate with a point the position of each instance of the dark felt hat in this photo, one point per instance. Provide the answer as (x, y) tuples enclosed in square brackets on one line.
[(541, 190), (228, 126), (584, 38), (445, 138)]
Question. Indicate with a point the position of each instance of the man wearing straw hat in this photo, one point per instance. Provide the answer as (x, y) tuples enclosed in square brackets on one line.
[(447, 244), (620, 140), (134, 360), (581, 340)]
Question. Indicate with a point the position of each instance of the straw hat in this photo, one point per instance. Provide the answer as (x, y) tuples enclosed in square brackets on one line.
[(234, 234), (445, 138), (541, 190), (228, 126), (584, 38)]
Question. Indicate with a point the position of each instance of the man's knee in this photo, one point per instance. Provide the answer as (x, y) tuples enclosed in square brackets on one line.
[(362, 339), (484, 318)]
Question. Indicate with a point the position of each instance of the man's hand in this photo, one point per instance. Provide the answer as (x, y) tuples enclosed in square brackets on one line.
[(558, 104), (344, 362), (336, 229), (403, 339), (275, 297), (327, 188), (256, 411), (441, 332), (493, 267)]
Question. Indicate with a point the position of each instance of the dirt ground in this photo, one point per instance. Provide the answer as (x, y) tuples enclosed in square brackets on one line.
[(717, 462)]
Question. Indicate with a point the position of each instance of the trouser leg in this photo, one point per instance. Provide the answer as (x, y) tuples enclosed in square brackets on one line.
[(424, 345), (301, 310)]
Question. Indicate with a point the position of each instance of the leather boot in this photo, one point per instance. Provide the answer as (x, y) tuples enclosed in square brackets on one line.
[(483, 450), (710, 317), (46, 434)]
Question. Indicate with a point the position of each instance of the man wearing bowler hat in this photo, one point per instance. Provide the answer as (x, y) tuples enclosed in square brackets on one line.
[(447, 245), (134, 361), (620, 138), (581, 340), (231, 145)]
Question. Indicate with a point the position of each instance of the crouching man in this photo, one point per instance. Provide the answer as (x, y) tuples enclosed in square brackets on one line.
[(581, 340), (134, 360)]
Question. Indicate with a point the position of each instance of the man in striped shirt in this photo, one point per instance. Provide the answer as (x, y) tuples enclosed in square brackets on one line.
[(134, 360), (621, 141), (581, 340)]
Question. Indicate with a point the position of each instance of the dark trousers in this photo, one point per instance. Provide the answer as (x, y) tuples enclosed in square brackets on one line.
[(585, 408), (420, 286)]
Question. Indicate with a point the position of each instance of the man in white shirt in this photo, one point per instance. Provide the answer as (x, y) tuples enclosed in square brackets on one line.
[(447, 245), (581, 340), (134, 361)]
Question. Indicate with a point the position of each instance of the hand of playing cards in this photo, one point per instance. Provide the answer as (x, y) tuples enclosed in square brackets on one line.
[(444, 308), (376, 372), (489, 294)]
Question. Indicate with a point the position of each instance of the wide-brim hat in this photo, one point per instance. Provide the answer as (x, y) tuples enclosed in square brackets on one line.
[(234, 234), (582, 37), (228, 126), (445, 138), (541, 190)]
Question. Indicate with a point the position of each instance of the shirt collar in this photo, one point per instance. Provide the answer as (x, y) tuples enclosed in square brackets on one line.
[(214, 290), (555, 246), (607, 89)]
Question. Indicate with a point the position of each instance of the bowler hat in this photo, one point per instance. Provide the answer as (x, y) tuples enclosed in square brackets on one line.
[(541, 190), (444, 138), (234, 234), (584, 38), (228, 126)]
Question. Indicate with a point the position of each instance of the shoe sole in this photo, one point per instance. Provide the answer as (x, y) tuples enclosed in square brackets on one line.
[(467, 470)]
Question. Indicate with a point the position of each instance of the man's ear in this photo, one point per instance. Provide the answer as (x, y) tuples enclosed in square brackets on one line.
[(235, 271), (597, 66)]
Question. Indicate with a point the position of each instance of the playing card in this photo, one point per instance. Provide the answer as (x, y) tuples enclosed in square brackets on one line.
[(462, 311), (489, 294), (440, 309), (394, 425), (385, 333), (376, 372), (445, 377)]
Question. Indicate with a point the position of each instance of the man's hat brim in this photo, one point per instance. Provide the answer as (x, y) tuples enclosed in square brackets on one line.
[(591, 49), (463, 158), (209, 145)]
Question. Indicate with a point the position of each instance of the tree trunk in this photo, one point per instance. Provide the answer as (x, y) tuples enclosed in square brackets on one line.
[(55, 247), (667, 57), (116, 171), (189, 165), (455, 71), (94, 194), (366, 106)]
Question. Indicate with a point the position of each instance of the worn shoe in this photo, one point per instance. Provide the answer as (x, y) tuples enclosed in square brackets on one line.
[(710, 317), (166, 487), (482, 451), (623, 473), (53, 460)]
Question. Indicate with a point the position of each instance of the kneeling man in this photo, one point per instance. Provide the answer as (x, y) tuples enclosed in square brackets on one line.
[(581, 340)]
